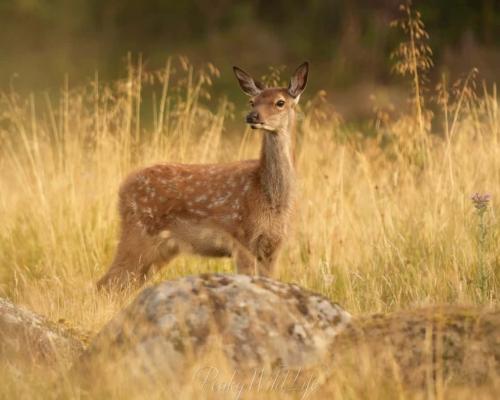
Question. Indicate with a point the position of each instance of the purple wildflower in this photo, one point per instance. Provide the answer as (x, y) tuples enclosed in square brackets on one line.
[(481, 201)]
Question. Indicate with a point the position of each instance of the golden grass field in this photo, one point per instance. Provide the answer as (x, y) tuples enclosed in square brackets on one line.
[(384, 222)]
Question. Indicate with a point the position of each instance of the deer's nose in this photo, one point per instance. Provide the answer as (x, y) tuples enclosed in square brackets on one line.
[(253, 117)]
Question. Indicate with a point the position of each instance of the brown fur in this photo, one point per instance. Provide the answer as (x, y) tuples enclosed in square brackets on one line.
[(238, 209)]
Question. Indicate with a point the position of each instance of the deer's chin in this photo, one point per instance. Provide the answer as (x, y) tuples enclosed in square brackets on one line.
[(262, 126)]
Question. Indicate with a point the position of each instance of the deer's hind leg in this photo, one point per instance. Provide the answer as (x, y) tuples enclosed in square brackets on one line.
[(137, 257)]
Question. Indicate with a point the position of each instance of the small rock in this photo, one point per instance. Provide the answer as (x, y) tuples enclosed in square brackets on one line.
[(457, 344), (30, 338)]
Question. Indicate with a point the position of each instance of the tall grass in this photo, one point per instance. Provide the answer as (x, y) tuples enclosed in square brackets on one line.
[(384, 221)]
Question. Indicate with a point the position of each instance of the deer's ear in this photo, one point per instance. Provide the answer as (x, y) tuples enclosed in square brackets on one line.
[(247, 84), (298, 81)]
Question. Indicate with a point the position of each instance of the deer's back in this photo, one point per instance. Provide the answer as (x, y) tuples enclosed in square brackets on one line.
[(159, 195)]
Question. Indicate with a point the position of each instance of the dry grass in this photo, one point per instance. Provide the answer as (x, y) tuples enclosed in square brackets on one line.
[(385, 219)]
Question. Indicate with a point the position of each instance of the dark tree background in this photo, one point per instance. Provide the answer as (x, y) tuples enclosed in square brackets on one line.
[(347, 41)]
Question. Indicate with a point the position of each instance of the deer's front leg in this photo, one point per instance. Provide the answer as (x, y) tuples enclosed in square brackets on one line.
[(246, 262), (267, 250), (260, 259)]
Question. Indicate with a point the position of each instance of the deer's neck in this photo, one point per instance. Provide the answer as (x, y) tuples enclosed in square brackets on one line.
[(277, 173)]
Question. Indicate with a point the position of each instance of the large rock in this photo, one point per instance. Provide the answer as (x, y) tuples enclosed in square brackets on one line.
[(255, 321), (28, 337)]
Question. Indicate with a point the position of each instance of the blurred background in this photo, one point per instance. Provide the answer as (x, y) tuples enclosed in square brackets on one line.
[(347, 41)]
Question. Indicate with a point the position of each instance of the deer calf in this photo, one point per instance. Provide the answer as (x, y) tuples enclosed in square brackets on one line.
[(239, 209)]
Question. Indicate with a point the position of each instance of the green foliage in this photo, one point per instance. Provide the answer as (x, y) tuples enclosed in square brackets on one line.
[(42, 40)]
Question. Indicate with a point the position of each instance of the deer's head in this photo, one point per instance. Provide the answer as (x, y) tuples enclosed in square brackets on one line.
[(272, 108)]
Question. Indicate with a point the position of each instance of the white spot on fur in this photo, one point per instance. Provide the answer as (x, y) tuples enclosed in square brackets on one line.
[(165, 234)]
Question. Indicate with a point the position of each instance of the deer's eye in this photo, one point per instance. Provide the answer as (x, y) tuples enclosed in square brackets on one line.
[(251, 103), (280, 103)]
